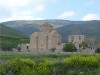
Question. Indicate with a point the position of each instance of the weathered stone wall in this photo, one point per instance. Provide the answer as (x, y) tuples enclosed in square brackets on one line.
[(47, 38), (46, 27), (76, 39), (23, 47)]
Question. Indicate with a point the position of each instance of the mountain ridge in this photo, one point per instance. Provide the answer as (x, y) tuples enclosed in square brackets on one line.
[(64, 27)]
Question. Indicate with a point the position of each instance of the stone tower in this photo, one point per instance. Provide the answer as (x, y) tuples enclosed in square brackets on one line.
[(47, 38), (76, 40)]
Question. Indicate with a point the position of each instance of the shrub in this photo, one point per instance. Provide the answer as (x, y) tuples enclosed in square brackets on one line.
[(73, 65), (84, 45), (69, 47), (97, 50), (80, 61), (79, 64)]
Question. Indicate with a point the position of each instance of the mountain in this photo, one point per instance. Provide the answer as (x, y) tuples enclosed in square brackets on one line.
[(64, 27), (88, 28), (10, 38), (30, 26)]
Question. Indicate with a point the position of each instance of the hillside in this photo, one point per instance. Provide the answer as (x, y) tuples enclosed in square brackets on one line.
[(89, 28), (8, 31), (64, 27), (10, 38), (30, 26)]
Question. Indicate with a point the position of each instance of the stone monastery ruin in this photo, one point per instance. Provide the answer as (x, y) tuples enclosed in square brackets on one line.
[(46, 38)]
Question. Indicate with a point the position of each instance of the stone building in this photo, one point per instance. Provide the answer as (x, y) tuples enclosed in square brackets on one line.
[(23, 47), (92, 42), (76, 40), (46, 38)]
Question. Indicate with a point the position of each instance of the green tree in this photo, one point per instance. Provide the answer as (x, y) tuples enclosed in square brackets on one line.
[(97, 50), (69, 47), (83, 44)]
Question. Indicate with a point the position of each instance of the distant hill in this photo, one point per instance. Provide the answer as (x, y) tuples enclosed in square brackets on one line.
[(64, 27), (30, 26), (8, 31), (10, 38), (88, 28)]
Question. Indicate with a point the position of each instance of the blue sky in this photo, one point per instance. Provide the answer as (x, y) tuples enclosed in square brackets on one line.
[(75, 10)]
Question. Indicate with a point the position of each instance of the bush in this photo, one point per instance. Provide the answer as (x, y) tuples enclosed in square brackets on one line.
[(81, 61), (73, 65), (79, 65), (97, 50), (84, 45), (69, 47)]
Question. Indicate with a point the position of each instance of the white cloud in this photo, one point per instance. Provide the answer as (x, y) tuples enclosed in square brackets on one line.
[(91, 17), (67, 14), (14, 3), (22, 9), (21, 18)]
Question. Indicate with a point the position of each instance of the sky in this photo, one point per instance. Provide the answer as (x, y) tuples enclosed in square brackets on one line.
[(75, 10)]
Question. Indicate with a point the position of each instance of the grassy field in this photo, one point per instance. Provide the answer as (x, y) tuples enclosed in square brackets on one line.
[(11, 56)]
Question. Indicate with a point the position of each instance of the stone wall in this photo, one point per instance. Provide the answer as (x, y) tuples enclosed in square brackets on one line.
[(76, 39), (47, 38)]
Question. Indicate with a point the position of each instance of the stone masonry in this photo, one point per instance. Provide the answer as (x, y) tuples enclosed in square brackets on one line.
[(46, 38), (76, 40)]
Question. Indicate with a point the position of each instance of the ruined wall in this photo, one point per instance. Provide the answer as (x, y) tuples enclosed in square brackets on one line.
[(47, 38), (76, 39)]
